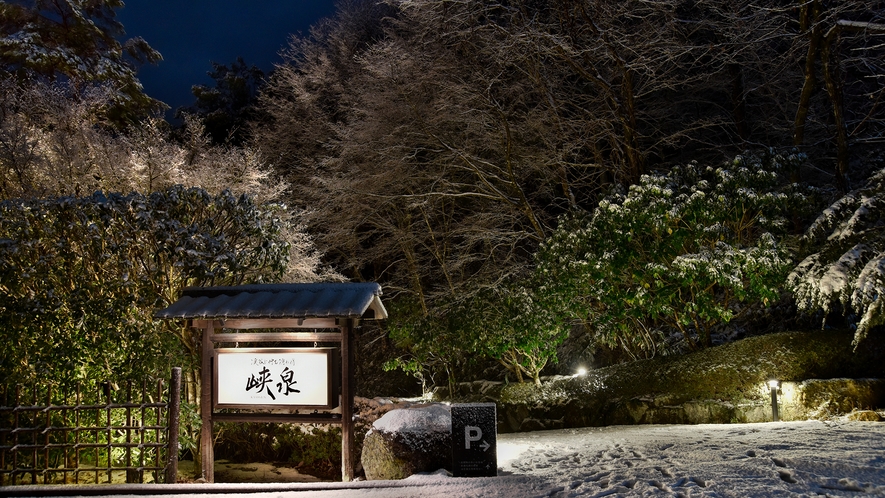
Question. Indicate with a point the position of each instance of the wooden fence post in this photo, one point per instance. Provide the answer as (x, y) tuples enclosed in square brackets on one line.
[(174, 415), (347, 378), (206, 447)]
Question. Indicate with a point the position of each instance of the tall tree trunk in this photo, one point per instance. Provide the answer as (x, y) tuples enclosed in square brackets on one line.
[(635, 165), (738, 106), (833, 81), (407, 242), (809, 16)]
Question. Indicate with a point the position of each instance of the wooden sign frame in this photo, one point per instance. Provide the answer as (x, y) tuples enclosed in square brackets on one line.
[(321, 330)]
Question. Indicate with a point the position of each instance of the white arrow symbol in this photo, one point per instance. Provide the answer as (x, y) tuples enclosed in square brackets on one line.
[(485, 446)]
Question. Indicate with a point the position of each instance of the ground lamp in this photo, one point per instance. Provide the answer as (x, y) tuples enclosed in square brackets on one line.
[(773, 384)]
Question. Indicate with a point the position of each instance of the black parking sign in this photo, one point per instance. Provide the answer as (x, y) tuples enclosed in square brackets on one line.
[(474, 440)]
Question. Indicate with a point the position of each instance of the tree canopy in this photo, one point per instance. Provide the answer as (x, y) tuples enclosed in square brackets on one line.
[(226, 108), (505, 170), (52, 144), (77, 41), (439, 143)]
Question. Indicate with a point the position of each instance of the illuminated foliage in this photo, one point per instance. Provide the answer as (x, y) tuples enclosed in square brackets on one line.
[(52, 144), (503, 322), (679, 252), (80, 278)]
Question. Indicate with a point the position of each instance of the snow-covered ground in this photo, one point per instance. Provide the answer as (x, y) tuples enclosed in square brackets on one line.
[(768, 459), (740, 460)]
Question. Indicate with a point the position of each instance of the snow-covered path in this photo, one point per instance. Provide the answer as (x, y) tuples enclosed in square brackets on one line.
[(780, 459), (770, 459)]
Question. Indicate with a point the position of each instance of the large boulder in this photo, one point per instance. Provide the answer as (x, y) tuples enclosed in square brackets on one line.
[(404, 442)]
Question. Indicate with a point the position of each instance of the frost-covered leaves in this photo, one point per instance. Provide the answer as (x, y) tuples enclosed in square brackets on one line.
[(847, 264), (677, 252), (80, 278)]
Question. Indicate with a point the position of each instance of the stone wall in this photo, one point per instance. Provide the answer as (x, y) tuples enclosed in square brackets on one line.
[(722, 384), (564, 402)]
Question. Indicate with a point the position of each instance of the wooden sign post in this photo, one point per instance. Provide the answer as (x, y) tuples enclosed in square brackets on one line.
[(299, 375), (265, 379)]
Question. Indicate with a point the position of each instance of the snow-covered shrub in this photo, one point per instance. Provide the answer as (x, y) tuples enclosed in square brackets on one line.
[(679, 252), (80, 277), (847, 262)]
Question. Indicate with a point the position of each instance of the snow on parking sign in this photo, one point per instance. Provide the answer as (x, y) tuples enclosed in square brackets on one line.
[(474, 440)]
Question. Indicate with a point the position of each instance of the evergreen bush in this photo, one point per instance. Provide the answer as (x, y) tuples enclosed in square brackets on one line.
[(681, 251)]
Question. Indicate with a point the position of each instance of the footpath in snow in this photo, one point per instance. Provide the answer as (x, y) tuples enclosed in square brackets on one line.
[(768, 459)]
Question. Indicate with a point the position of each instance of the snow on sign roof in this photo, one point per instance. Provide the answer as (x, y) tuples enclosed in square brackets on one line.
[(324, 300)]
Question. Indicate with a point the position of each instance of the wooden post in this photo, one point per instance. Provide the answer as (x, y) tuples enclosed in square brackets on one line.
[(173, 420), (208, 455), (347, 468)]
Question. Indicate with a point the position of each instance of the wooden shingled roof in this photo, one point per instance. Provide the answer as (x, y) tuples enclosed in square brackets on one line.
[(320, 300)]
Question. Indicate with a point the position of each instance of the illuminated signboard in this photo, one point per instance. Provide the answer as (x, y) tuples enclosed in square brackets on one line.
[(276, 378)]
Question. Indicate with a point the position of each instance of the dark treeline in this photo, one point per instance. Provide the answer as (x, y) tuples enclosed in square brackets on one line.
[(437, 142)]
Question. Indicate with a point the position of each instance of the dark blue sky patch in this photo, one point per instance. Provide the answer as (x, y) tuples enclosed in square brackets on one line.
[(190, 34)]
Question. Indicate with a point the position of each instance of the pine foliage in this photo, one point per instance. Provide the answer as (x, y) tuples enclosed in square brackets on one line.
[(77, 41), (846, 268)]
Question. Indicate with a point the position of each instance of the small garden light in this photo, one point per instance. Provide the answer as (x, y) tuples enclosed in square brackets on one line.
[(774, 384), (581, 372)]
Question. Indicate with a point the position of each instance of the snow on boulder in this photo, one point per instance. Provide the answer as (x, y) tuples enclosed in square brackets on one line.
[(416, 420), (408, 441)]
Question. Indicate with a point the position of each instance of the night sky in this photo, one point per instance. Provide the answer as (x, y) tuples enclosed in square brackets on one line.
[(192, 33)]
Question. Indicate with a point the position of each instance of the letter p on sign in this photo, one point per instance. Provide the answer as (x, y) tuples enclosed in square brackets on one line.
[(471, 434)]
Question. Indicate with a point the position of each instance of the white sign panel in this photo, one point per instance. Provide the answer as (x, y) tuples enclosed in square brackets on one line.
[(271, 377)]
